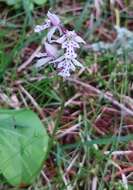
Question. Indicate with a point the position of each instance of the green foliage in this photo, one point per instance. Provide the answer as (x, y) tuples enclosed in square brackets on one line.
[(30, 3), (39, 2), (114, 75), (23, 146)]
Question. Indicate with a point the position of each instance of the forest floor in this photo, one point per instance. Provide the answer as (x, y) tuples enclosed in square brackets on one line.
[(93, 144)]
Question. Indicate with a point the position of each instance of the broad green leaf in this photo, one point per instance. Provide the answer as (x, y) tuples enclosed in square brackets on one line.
[(23, 146), (18, 3), (15, 3), (40, 2), (12, 2)]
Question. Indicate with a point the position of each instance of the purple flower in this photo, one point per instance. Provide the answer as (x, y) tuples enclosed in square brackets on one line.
[(70, 41), (45, 58), (54, 19), (52, 23), (71, 38), (42, 27), (65, 58), (66, 66)]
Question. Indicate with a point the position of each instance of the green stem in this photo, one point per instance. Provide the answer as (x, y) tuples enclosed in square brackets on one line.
[(61, 107), (61, 111)]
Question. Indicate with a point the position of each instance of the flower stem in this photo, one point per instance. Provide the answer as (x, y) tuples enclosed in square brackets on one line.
[(61, 111)]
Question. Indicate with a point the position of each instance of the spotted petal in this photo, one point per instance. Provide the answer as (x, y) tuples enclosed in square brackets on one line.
[(61, 40), (70, 54), (61, 64), (71, 66), (64, 73), (39, 28)]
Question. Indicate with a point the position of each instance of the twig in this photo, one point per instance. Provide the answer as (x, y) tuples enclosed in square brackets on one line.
[(22, 98), (126, 170), (69, 130), (124, 110), (71, 164), (122, 173), (27, 62), (72, 99), (80, 168), (65, 180), (119, 152), (32, 100), (70, 10), (94, 183), (12, 101), (46, 179)]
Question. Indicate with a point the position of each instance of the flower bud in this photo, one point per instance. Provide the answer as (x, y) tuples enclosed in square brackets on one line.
[(53, 18), (51, 50)]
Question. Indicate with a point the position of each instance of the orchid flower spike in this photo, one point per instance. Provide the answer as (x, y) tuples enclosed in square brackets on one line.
[(65, 58), (69, 42)]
